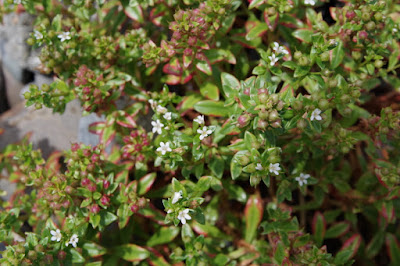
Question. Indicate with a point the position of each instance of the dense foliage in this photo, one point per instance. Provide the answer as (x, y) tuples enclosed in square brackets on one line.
[(240, 132)]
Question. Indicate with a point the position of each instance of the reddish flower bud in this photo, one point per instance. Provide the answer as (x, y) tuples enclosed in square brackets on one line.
[(92, 187), (134, 208), (350, 14), (192, 40), (95, 157), (85, 182), (74, 147), (138, 147), (105, 200), (106, 184), (94, 208), (244, 120), (90, 167), (86, 90), (68, 189), (188, 52), (61, 255), (66, 204), (363, 35)]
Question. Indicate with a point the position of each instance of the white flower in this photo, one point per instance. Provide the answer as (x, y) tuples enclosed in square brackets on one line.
[(157, 126), (161, 109), (279, 49), (274, 168), (56, 235), (169, 211), (315, 115), (183, 216), (164, 148), (177, 196), (302, 179), (168, 116), (73, 241), (394, 30), (64, 36), (273, 59), (37, 34), (153, 104), (199, 119), (204, 133), (309, 2), (259, 167)]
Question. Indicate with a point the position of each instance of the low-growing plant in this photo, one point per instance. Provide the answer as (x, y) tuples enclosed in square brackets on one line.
[(273, 140)]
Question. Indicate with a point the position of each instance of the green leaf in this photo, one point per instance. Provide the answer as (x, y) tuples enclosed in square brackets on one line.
[(257, 31), (189, 101), (107, 218), (208, 107), (187, 233), (337, 55), (375, 245), (210, 90), (253, 214), (204, 183), (56, 23), (131, 252), (204, 67), (92, 249), (236, 169), (393, 249), (134, 11), (163, 235), (318, 228), (342, 257), (230, 84), (234, 191), (145, 183), (217, 166), (76, 257), (337, 230), (303, 35), (279, 255), (221, 260)]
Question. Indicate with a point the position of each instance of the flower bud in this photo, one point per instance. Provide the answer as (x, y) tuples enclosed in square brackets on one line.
[(134, 208), (92, 187), (378, 63), (244, 120), (251, 168), (325, 56), (323, 104), (350, 14), (273, 116), (106, 184), (61, 255), (262, 124), (370, 26), (297, 55), (85, 182), (254, 180), (301, 124), (243, 159), (297, 105), (363, 35), (94, 208), (105, 200)]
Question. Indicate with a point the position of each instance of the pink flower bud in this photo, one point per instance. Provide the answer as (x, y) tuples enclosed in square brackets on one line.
[(350, 14), (243, 120), (363, 35), (105, 200), (94, 208), (192, 40), (74, 147), (85, 182), (134, 208), (106, 184), (92, 187), (69, 189)]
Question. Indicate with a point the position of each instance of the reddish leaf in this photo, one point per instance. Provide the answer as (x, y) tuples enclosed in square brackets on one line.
[(353, 243), (145, 183), (97, 127), (393, 249)]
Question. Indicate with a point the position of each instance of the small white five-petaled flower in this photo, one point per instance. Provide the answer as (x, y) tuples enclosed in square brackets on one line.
[(157, 126), (259, 167), (279, 49), (38, 35), (177, 196), (204, 133), (315, 115), (56, 235), (309, 2), (183, 216), (302, 179), (64, 36), (168, 116), (273, 59), (161, 109), (274, 168), (164, 148), (73, 240), (199, 119)]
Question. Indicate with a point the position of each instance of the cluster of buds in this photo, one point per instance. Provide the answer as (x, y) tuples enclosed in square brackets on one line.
[(269, 106), (55, 193), (88, 85), (192, 31), (135, 142), (338, 140), (389, 174)]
